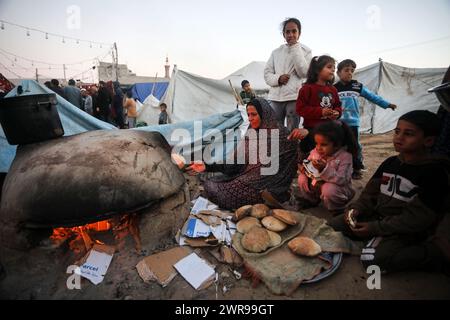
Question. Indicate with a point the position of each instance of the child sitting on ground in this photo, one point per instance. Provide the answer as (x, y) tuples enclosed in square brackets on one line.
[(401, 204), (332, 158), (247, 93), (349, 91)]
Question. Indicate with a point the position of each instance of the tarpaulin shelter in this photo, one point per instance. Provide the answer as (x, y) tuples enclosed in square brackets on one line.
[(76, 121), (190, 96), (141, 91)]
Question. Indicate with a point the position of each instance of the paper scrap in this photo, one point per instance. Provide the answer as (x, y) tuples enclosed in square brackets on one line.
[(195, 270), (195, 228), (222, 233), (200, 204), (96, 265)]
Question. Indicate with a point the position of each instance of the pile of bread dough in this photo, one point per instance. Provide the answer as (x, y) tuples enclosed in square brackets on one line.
[(260, 227)]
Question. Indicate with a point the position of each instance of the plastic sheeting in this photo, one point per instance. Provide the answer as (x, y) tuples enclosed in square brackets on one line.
[(405, 87), (141, 91), (190, 96), (73, 120), (148, 111), (254, 73), (76, 121)]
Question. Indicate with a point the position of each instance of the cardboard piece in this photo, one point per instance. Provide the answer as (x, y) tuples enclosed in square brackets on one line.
[(216, 213), (211, 241), (96, 262), (159, 267), (196, 271), (209, 219)]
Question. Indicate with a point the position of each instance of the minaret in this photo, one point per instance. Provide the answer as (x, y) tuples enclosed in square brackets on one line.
[(167, 66)]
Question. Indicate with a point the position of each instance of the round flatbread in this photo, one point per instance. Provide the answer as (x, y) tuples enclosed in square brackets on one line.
[(273, 224), (285, 216), (246, 224), (256, 240), (275, 238), (260, 211), (242, 212), (304, 246)]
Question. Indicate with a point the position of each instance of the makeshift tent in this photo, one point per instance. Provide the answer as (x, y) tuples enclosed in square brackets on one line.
[(148, 111), (76, 121), (191, 97), (405, 87), (254, 73), (141, 91)]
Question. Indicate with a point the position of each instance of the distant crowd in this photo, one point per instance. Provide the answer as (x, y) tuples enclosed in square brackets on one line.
[(105, 101)]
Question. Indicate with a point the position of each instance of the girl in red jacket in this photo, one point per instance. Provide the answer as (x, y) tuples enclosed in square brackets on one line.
[(318, 100)]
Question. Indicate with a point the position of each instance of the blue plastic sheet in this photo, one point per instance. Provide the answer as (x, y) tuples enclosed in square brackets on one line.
[(141, 91), (76, 121)]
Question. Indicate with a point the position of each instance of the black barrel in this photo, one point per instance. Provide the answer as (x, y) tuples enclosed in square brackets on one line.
[(30, 119)]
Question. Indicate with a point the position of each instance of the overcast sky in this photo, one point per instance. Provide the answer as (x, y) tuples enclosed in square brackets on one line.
[(215, 38)]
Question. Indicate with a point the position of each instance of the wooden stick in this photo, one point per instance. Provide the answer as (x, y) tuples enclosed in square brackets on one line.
[(154, 84), (236, 96)]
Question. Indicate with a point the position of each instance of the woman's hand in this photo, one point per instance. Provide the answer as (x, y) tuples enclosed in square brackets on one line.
[(392, 106), (298, 134), (319, 164), (195, 168)]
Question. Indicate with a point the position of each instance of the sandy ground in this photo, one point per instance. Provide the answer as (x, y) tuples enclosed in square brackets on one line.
[(40, 274)]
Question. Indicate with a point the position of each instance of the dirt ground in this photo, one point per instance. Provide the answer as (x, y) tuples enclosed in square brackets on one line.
[(41, 274)]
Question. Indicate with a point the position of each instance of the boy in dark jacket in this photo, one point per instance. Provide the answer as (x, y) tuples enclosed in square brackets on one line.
[(403, 201), (247, 93)]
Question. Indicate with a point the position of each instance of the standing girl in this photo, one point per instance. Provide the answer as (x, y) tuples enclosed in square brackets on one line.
[(318, 100), (332, 160), (285, 72)]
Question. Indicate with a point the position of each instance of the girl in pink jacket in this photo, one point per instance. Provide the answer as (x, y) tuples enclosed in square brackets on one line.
[(327, 173)]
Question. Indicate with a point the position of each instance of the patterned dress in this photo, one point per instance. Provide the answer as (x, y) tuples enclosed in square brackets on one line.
[(242, 184)]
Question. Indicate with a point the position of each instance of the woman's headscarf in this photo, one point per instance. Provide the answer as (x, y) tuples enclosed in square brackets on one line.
[(287, 152)]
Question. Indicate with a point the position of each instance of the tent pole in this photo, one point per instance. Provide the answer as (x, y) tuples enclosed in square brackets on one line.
[(380, 74), (154, 84), (116, 61)]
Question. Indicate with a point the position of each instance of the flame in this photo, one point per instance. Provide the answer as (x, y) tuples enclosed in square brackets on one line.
[(80, 236)]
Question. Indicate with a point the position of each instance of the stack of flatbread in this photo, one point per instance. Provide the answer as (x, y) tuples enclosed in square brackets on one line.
[(260, 226)]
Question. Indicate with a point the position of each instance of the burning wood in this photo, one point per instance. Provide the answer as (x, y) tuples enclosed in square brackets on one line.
[(83, 237)]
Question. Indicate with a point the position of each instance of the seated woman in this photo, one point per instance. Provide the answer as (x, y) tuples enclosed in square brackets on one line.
[(242, 184)]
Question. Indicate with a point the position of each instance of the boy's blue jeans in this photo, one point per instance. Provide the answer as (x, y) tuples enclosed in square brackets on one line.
[(358, 161)]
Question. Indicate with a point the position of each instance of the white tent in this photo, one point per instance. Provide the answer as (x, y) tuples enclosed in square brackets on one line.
[(254, 73), (191, 97), (405, 87), (148, 111)]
